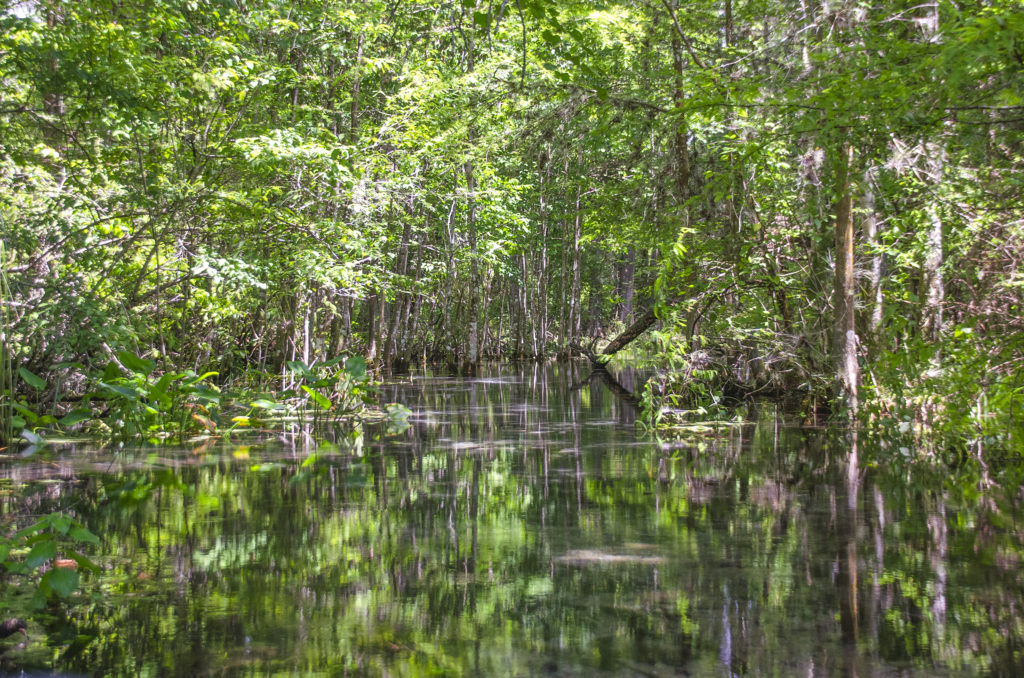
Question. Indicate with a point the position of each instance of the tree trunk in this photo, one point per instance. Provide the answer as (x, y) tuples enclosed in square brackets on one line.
[(353, 123), (574, 295), (844, 346), (474, 271), (542, 268), (935, 166), (639, 326), (682, 151), (869, 226), (628, 287)]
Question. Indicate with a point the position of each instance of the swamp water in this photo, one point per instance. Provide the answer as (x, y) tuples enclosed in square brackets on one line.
[(520, 526)]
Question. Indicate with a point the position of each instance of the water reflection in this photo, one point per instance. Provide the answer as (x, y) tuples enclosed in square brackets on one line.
[(520, 527)]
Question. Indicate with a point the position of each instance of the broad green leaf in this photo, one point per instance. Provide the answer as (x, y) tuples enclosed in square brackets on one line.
[(330, 363), (29, 415), (319, 398), (111, 371), (82, 534), (135, 363), (60, 522), (31, 379), (83, 561), (208, 395), (121, 390), (299, 368), (41, 553), (203, 377), (158, 390), (75, 416), (31, 529), (62, 580), (355, 367)]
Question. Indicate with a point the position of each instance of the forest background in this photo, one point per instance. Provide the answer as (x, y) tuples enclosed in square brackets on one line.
[(810, 199)]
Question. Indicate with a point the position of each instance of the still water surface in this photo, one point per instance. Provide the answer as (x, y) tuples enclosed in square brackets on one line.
[(520, 526)]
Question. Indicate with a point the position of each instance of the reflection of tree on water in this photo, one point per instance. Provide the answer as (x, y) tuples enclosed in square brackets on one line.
[(849, 615), (517, 523)]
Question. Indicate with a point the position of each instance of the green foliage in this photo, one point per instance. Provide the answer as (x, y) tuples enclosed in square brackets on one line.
[(33, 552), (238, 188)]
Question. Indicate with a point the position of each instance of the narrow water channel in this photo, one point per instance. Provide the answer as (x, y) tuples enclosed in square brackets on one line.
[(520, 526)]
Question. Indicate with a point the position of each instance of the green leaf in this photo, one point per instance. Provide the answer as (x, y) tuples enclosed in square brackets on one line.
[(550, 37), (121, 390), (82, 534), (75, 416), (135, 363), (31, 379), (41, 553), (482, 19), (208, 395), (59, 522), (83, 561), (330, 363), (31, 529), (159, 390), (299, 368), (62, 580), (111, 371), (355, 367), (319, 398), (29, 415), (196, 380)]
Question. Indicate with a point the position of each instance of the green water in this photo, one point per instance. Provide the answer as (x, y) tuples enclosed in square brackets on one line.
[(520, 526)]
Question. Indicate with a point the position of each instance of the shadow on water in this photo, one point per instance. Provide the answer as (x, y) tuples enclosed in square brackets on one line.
[(519, 526)]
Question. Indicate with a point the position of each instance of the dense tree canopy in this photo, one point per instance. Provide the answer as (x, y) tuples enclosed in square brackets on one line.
[(822, 197)]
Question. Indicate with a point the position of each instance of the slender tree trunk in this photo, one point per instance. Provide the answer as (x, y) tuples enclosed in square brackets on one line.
[(628, 286), (869, 226), (371, 333), (353, 123), (934, 284), (935, 163), (542, 272), (681, 143), (563, 296), (844, 348), (574, 295), (474, 270)]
